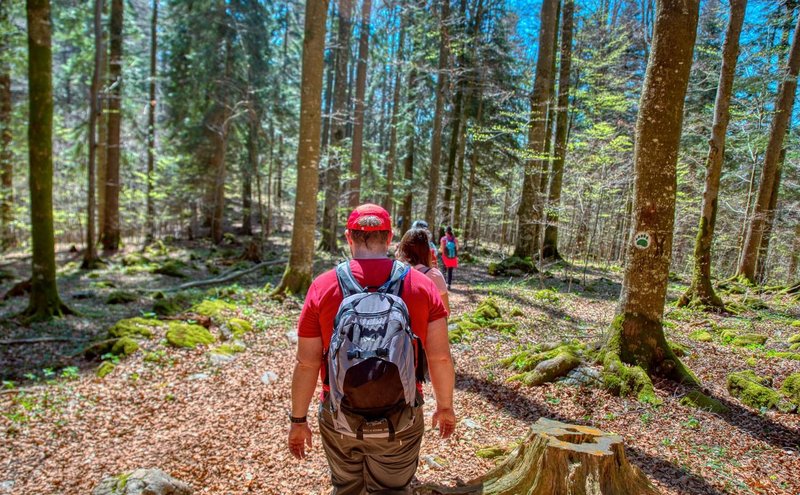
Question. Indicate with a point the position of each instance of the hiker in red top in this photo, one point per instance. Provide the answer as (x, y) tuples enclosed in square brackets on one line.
[(369, 452), (448, 246)]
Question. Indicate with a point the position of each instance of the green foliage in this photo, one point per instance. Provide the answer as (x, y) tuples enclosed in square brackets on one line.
[(104, 369)]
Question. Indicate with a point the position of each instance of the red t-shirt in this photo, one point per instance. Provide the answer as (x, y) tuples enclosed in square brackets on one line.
[(324, 297)]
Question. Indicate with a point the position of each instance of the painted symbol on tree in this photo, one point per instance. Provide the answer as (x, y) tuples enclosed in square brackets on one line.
[(642, 240)]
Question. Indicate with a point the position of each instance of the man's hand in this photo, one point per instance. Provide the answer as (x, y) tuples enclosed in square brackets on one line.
[(446, 419), (299, 437)]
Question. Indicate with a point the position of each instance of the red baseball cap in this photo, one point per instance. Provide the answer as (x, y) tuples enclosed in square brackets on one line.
[(369, 217)]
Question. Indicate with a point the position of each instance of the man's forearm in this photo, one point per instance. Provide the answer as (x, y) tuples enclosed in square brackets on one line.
[(443, 380), (304, 382)]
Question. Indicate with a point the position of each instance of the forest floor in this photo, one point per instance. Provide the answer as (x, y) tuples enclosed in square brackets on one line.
[(219, 423)]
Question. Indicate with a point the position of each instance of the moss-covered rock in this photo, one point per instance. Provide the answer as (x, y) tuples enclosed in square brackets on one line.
[(796, 323), (132, 259), (513, 266), (795, 339), (516, 312), (624, 380), (727, 335), (794, 356), (698, 400), (492, 452), (134, 327), (487, 310), (180, 334), (547, 296), (171, 268), (168, 306), (795, 347), (750, 389), (124, 346), (791, 388), (701, 336), (747, 339), (121, 297), (229, 349), (550, 369), (239, 327), (104, 369), (212, 308), (463, 331)]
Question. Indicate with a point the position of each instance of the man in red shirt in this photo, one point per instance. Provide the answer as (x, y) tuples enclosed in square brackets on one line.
[(370, 464)]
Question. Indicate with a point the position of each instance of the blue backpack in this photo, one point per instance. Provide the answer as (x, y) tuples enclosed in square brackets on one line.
[(450, 248)]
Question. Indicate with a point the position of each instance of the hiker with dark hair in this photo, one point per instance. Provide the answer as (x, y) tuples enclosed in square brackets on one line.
[(370, 328), (414, 249), (422, 224), (448, 247)]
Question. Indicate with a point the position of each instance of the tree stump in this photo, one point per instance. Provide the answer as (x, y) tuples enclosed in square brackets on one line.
[(559, 458)]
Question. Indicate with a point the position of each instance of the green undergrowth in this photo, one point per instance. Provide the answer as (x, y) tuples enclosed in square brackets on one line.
[(170, 268), (701, 336), (229, 349), (104, 369), (756, 392), (213, 308), (486, 316)]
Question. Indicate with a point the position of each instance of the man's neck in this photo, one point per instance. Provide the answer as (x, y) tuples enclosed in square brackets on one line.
[(365, 254)]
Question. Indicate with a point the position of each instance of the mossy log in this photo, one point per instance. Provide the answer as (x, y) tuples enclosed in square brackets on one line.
[(560, 458)]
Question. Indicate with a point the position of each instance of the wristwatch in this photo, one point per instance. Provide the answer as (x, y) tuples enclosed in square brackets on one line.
[(294, 419)]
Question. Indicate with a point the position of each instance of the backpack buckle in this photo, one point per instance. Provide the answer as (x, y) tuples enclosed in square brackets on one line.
[(353, 354)]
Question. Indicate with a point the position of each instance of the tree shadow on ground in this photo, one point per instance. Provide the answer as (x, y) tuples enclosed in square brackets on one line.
[(517, 405)]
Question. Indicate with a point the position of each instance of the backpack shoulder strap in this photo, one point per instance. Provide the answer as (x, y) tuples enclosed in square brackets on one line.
[(394, 285), (347, 282)]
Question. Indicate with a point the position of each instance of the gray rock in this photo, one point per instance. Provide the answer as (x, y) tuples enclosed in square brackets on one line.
[(583, 376), (142, 482), (269, 378), (431, 462), (198, 376), (6, 486), (291, 336), (218, 359), (470, 423)]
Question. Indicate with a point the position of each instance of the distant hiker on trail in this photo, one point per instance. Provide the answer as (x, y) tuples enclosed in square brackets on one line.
[(414, 249), (360, 330), (422, 224), (448, 246)]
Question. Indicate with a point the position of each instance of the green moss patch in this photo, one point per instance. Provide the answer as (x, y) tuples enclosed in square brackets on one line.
[(794, 356), (487, 310), (513, 266), (104, 369), (747, 339), (543, 363), (728, 334), (168, 306), (698, 400), (486, 315), (492, 452), (229, 349), (463, 331), (239, 327), (212, 308), (791, 388), (134, 328), (752, 391), (796, 324), (121, 297), (124, 346), (680, 350), (188, 335), (624, 380), (795, 339), (701, 336), (133, 259), (516, 312), (171, 268)]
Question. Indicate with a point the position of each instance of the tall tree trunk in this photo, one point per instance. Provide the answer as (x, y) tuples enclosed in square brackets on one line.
[(473, 167), (111, 232), (354, 196), (526, 244), (90, 254), (763, 249), (701, 292), (550, 245), (101, 151), (219, 140), (459, 176), (780, 122), (151, 127), (330, 69), (7, 240), (452, 157), (396, 102), (794, 259), (408, 160), (44, 300), (297, 276), (250, 169), (436, 139), (339, 118), (636, 336)]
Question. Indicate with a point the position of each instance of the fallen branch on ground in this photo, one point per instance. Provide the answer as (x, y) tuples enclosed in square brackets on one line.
[(219, 280), (37, 340)]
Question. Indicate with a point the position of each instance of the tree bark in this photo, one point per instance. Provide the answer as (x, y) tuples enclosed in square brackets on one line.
[(101, 149), (90, 254), (436, 139), (636, 336), (527, 244), (452, 157), (111, 230), (794, 259), (44, 300), (701, 292), (550, 243), (396, 102), (7, 240), (780, 123), (250, 168), (354, 196), (339, 118), (150, 229), (219, 138), (297, 276), (408, 160), (763, 249)]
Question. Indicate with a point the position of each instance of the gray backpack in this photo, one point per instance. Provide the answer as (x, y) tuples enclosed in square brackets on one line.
[(374, 359)]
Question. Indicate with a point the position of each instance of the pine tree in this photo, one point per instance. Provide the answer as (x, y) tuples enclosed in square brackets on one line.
[(358, 115), (111, 228), (6, 164)]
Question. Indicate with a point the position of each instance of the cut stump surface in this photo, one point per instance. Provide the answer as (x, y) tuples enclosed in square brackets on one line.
[(561, 458)]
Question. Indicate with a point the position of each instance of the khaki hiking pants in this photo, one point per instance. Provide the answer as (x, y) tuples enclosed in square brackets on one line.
[(371, 465)]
